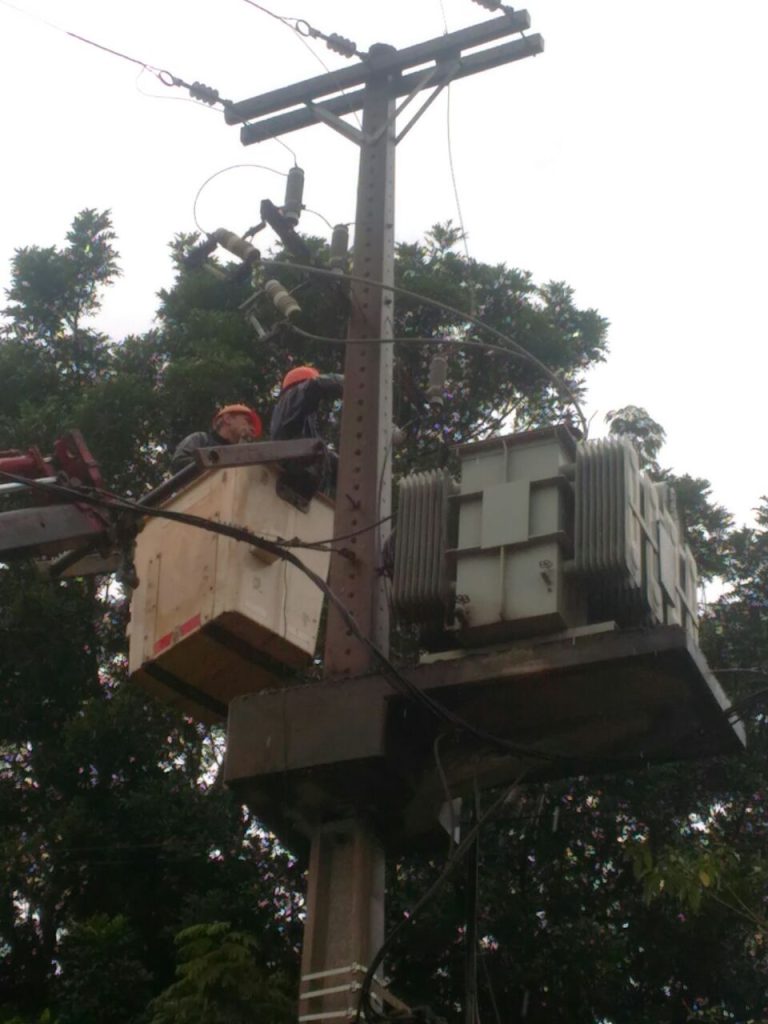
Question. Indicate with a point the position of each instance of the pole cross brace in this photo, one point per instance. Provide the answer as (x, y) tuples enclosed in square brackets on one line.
[(327, 98)]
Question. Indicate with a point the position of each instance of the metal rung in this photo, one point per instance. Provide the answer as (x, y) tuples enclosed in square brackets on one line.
[(330, 1015), (352, 968), (353, 986)]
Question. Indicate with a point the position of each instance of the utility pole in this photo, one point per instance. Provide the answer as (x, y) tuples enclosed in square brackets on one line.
[(345, 901)]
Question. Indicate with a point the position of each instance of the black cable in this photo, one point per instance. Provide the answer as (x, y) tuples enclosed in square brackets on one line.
[(399, 682), (296, 543), (489, 985), (441, 340), (734, 710), (365, 1007), (509, 343), (446, 791), (471, 925)]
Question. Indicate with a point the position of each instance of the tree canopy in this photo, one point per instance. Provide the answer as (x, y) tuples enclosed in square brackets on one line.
[(134, 888)]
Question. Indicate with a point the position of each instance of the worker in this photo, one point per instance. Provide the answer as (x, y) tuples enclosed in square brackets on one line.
[(295, 416), (232, 424), (302, 391)]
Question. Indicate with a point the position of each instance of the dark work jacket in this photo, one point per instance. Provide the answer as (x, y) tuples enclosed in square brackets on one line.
[(295, 414), (184, 453)]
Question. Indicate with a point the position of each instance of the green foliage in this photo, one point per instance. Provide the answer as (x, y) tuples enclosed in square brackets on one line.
[(220, 981), (486, 388), (115, 831), (648, 436), (117, 835), (103, 978), (707, 525)]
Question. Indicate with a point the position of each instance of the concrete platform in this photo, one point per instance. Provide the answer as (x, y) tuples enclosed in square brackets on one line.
[(585, 704)]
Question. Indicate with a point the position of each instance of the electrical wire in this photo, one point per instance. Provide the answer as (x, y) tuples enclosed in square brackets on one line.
[(305, 31), (296, 543), (365, 1008), (393, 676), (265, 10), (446, 791), (441, 340), (509, 343), (316, 213), (196, 89), (452, 169), (734, 711), (399, 682), (223, 170), (444, 17), (169, 99), (293, 24)]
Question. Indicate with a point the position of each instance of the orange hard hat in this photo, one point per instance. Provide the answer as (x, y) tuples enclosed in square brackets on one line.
[(245, 410), (298, 374)]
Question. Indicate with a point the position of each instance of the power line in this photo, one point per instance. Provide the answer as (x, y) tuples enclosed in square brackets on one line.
[(334, 41), (512, 348), (365, 1006), (509, 343), (223, 170), (396, 679), (199, 91)]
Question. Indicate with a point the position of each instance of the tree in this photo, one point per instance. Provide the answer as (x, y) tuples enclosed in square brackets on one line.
[(706, 525), (119, 838), (114, 833), (219, 981)]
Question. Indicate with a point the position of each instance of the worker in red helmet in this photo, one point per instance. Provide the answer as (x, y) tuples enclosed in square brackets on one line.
[(302, 391), (232, 424)]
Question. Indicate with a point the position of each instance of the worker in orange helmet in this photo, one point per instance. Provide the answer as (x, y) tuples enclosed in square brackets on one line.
[(295, 416), (302, 390), (232, 424)]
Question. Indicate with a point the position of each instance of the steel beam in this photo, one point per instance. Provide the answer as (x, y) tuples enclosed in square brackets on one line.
[(47, 529), (258, 453)]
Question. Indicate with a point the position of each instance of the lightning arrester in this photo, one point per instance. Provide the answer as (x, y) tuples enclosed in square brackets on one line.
[(294, 193), (438, 372), (339, 247)]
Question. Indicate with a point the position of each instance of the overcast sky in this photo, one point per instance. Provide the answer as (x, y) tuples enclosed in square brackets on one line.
[(628, 160)]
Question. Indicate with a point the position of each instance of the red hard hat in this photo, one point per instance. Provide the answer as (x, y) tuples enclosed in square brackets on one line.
[(298, 374), (246, 410)]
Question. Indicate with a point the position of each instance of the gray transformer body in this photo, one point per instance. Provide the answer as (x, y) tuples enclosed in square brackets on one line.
[(541, 534)]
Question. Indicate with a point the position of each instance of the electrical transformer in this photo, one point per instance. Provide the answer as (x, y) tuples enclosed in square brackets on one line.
[(542, 533)]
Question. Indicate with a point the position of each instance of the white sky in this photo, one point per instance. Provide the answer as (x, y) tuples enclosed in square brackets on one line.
[(628, 160)]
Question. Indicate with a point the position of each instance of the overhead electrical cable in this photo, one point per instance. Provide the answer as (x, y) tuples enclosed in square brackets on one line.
[(517, 353), (304, 30), (393, 676), (223, 170), (509, 347), (197, 90), (365, 1006)]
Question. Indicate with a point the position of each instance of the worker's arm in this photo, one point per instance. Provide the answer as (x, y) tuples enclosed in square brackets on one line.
[(184, 454), (327, 387)]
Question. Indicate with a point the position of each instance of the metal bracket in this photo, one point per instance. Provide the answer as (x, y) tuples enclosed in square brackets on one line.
[(344, 980), (450, 69), (257, 453), (334, 121)]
